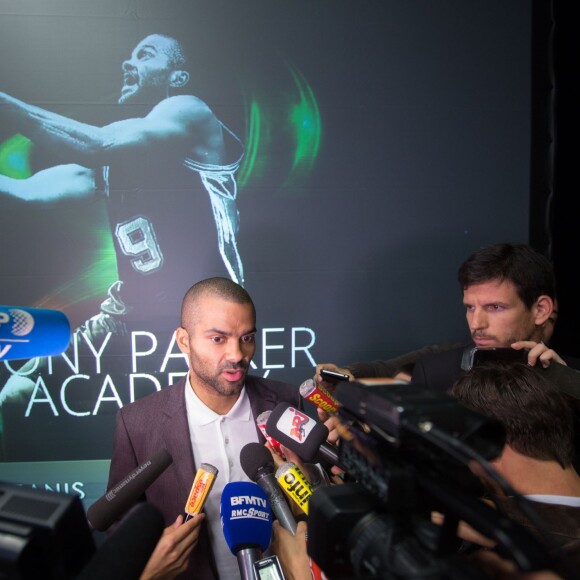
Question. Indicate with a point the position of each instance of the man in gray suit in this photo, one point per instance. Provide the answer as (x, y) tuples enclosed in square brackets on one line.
[(207, 417)]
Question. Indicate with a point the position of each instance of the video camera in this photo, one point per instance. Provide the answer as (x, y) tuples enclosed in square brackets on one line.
[(407, 453)]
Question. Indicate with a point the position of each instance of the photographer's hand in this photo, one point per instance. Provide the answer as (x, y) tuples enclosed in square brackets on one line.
[(538, 353)]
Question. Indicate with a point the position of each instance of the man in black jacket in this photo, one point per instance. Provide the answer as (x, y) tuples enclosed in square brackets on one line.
[(509, 294)]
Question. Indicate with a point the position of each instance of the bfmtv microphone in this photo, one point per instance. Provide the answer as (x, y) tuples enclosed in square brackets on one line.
[(258, 465), (31, 332), (301, 434), (125, 494), (246, 522)]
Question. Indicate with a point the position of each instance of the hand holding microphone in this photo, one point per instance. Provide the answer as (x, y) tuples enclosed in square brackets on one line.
[(275, 445), (326, 405), (171, 554), (202, 484), (319, 396)]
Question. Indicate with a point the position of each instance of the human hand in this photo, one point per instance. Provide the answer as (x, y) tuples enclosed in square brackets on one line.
[(538, 352), (17, 390), (333, 425), (277, 455), (499, 568), (317, 378), (171, 554), (291, 551), (465, 531)]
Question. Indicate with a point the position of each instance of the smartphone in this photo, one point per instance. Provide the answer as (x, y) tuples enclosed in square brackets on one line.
[(333, 377), (477, 355), (268, 569)]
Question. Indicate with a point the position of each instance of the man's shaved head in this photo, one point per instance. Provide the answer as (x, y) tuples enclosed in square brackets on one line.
[(223, 288)]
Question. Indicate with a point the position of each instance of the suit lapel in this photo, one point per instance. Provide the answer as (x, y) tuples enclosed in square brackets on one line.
[(178, 442)]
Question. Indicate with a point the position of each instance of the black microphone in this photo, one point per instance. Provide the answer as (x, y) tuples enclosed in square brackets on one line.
[(258, 465), (122, 496), (301, 434), (125, 553)]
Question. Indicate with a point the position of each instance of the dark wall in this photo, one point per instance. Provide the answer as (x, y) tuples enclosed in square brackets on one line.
[(565, 223)]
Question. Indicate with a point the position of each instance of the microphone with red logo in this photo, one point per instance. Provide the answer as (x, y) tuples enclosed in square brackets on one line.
[(32, 332), (319, 396), (261, 423), (302, 434), (258, 465)]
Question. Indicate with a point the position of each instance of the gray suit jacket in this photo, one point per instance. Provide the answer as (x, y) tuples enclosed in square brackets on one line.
[(159, 421)]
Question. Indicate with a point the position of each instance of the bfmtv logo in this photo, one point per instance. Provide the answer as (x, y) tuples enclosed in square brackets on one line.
[(20, 322)]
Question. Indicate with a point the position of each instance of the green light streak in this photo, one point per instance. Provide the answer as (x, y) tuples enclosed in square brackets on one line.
[(252, 144), (92, 282), (304, 117), (15, 157)]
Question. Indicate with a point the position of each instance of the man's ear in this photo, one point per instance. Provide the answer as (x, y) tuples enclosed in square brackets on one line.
[(178, 78), (544, 307), (182, 339)]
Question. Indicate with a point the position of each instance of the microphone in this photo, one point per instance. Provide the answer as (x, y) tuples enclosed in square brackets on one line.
[(258, 465), (319, 396), (125, 553), (261, 423), (247, 523), (302, 434), (32, 332), (317, 475), (122, 496), (202, 484), (295, 484)]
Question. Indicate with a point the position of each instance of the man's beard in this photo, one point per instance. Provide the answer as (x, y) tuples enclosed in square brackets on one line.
[(220, 385)]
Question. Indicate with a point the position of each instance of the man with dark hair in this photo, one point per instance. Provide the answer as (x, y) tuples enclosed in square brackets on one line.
[(537, 457), (509, 293), (207, 417)]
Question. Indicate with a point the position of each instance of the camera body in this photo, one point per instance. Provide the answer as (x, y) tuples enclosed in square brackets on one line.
[(406, 453)]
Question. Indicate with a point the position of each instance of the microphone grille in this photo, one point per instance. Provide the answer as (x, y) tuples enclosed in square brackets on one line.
[(253, 458)]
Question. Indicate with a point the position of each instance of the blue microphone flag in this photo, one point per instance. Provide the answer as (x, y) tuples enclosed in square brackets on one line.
[(31, 332), (246, 516)]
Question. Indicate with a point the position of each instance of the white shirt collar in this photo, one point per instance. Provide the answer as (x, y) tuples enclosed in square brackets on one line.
[(201, 414)]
